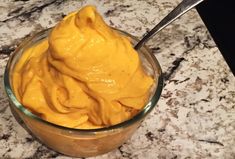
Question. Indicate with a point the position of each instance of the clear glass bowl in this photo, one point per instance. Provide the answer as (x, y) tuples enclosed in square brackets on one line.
[(79, 142)]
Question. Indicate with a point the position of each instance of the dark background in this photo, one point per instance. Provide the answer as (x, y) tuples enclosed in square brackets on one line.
[(219, 17)]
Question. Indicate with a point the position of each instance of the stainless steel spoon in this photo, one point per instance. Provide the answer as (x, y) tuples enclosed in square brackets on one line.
[(182, 8)]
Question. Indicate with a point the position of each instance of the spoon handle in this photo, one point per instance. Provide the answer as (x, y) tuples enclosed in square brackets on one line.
[(182, 8)]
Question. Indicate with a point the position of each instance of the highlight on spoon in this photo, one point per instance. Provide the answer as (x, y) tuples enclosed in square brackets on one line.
[(177, 12)]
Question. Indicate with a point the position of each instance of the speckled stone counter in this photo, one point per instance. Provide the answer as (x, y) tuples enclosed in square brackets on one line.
[(195, 117)]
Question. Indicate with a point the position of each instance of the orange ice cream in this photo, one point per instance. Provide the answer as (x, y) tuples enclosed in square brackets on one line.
[(84, 75)]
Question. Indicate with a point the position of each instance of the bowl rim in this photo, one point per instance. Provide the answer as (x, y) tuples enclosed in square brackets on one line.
[(140, 115)]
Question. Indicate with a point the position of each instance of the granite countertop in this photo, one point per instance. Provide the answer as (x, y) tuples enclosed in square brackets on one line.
[(194, 117)]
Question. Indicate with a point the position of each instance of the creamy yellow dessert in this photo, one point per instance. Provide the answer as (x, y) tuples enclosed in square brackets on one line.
[(84, 75)]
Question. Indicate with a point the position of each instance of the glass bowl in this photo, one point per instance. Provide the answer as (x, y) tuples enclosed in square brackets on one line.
[(81, 142)]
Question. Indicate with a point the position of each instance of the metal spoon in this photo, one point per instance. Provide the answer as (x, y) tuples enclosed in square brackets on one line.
[(182, 8)]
